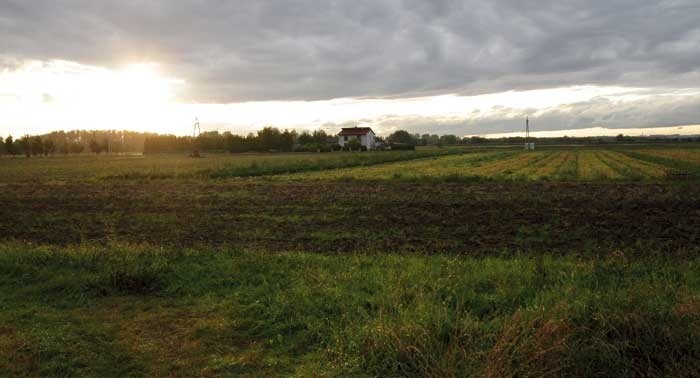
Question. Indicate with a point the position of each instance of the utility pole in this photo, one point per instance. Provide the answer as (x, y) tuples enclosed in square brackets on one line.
[(197, 128), (528, 145), (527, 129), (197, 131)]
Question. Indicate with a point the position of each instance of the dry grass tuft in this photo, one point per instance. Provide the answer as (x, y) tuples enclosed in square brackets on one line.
[(529, 348)]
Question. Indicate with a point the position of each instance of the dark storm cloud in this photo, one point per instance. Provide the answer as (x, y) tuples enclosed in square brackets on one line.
[(261, 50)]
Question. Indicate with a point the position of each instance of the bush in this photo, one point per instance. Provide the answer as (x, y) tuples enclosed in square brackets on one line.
[(353, 145)]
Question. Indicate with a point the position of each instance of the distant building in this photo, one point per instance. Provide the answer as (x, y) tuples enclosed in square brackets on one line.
[(365, 135)]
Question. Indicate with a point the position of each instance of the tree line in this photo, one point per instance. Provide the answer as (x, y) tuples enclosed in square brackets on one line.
[(74, 142), (269, 139)]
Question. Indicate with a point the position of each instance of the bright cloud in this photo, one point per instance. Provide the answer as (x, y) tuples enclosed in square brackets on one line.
[(39, 97)]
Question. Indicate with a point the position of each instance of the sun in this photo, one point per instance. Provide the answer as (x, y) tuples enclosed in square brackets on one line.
[(141, 84), (134, 96)]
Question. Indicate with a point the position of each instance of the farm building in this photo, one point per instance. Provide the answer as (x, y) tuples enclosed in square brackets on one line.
[(364, 134)]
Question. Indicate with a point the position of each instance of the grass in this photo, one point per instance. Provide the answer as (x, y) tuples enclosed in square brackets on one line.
[(218, 166), (682, 155), (684, 160), (446, 164), (442, 263), (504, 166), (631, 168), (592, 167), (226, 312)]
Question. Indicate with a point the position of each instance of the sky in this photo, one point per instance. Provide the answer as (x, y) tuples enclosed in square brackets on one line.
[(465, 67)]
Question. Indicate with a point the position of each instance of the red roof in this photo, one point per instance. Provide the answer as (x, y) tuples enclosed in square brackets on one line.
[(355, 131)]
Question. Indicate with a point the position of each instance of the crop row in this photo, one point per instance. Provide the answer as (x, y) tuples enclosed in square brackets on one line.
[(438, 164), (579, 165)]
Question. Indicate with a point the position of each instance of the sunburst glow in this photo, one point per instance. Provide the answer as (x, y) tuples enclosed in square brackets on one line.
[(42, 95)]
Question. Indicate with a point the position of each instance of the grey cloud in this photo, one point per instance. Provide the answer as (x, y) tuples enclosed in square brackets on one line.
[(262, 50), (655, 110)]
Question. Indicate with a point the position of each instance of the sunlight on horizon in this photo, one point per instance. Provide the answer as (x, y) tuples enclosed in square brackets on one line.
[(46, 96)]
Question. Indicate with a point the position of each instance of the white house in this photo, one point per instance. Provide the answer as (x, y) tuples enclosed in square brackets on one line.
[(364, 134)]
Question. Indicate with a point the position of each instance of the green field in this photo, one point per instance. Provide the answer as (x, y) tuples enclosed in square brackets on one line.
[(506, 164), (565, 261), (554, 164), (216, 166)]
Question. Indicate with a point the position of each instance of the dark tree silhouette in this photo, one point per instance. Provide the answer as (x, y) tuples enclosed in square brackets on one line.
[(95, 147), (10, 146), (37, 146), (26, 145), (401, 136), (49, 147)]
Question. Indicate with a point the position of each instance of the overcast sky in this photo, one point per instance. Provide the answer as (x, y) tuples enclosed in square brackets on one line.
[(427, 63)]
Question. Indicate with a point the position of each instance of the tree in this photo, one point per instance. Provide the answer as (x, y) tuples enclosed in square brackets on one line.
[(2, 146), (10, 145), (37, 146), (311, 142), (320, 137), (64, 148), (95, 147), (305, 138), (425, 139), (237, 143), (449, 139), (18, 147), (401, 136), (477, 140), (269, 138), (49, 147), (26, 145), (76, 148), (620, 138), (354, 144), (287, 140)]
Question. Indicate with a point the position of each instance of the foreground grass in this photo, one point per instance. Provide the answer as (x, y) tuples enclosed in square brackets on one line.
[(126, 310)]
